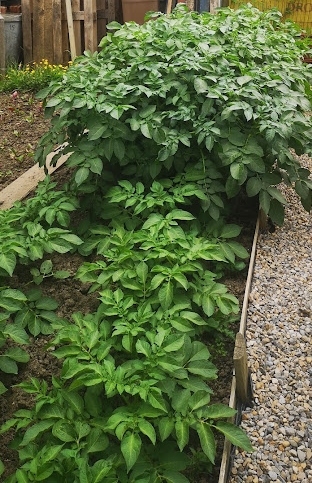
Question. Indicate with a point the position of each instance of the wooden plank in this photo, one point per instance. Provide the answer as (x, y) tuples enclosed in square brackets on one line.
[(101, 20), (26, 183), (2, 43), (90, 25), (111, 10), (27, 31), (38, 31), (65, 40), (48, 31), (214, 4), (241, 370), (57, 32), (252, 259), (70, 26), (76, 6), (225, 462)]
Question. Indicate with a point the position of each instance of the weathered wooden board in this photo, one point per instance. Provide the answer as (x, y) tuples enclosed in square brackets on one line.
[(26, 183), (46, 29)]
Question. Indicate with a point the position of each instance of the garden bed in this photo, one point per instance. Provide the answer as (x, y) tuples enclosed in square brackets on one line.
[(73, 296)]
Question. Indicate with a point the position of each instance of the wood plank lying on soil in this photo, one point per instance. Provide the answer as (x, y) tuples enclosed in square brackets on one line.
[(26, 183)]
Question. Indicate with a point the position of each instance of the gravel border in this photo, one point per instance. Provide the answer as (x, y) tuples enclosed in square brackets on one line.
[(279, 347)]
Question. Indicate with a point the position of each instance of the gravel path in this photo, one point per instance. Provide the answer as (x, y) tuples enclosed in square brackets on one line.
[(279, 346)]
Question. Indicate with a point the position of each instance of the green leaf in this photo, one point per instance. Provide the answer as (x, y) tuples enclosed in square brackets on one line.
[(96, 131), (75, 401), (265, 201), (81, 175), (34, 431), (96, 441), (235, 435), (7, 365), (18, 334), (216, 411), (238, 172), (276, 194), (3, 389), (130, 448), (172, 476), (198, 400), (165, 427), (17, 354), (146, 428), (21, 476), (46, 303), (207, 440), (96, 165), (64, 431), (200, 85), (253, 186), (230, 231), (277, 212), (182, 434), (165, 295)]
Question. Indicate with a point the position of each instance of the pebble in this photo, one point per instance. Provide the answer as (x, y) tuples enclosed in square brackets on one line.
[(278, 337)]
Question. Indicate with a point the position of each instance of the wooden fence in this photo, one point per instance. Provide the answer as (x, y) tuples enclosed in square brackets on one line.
[(46, 27)]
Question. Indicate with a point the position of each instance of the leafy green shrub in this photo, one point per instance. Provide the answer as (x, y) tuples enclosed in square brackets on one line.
[(225, 91)]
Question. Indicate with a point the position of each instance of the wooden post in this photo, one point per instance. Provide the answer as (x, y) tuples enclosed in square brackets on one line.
[(77, 26), (241, 370), (263, 220), (2, 46), (27, 31), (38, 31), (71, 33), (57, 32), (214, 4), (91, 42)]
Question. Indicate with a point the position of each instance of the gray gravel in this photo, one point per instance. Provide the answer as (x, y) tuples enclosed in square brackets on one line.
[(279, 337)]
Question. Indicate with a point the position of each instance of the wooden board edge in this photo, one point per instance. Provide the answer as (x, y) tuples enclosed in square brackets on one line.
[(227, 448), (26, 183)]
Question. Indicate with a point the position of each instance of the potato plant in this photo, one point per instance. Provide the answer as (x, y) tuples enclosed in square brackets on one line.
[(227, 92), (167, 123)]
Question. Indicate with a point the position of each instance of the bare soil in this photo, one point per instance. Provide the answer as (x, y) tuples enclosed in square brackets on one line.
[(22, 123)]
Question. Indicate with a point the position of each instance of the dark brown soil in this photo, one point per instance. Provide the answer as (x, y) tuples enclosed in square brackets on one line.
[(21, 125)]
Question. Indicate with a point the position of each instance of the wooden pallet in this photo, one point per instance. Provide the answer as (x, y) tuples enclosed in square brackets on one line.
[(45, 27)]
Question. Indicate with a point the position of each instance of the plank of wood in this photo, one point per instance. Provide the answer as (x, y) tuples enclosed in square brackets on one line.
[(77, 25), (241, 369), (2, 50), (71, 33), (38, 31), (225, 461), (26, 183), (101, 20), (214, 4), (48, 31), (27, 31), (90, 27), (57, 32), (252, 258), (169, 6)]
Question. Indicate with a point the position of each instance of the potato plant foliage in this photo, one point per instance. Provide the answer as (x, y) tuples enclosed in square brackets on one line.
[(227, 91), (167, 123)]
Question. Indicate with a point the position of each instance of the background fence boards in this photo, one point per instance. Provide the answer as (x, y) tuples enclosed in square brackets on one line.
[(45, 29)]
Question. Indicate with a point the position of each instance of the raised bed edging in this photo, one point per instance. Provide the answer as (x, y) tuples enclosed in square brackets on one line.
[(228, 449)]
